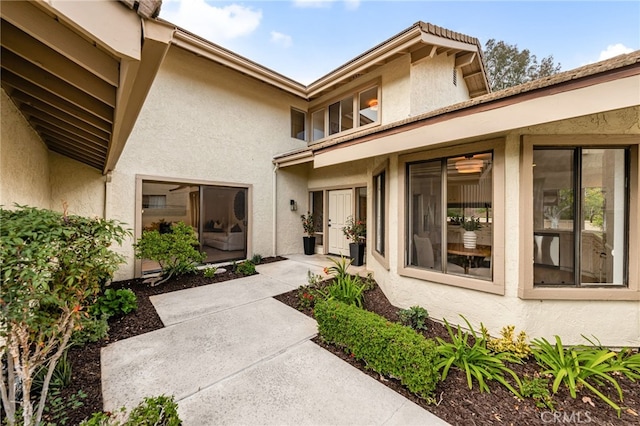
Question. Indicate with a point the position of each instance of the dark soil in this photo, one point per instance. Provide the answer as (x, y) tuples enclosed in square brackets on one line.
[(455, 402)]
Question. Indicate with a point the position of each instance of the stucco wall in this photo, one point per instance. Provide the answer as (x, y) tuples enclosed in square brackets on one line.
[(292, 185), (24, 166), (80, 186), (204, 122), (432, 84), (615, 323)]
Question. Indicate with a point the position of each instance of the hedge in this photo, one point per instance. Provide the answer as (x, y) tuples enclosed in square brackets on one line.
[(388, 348)]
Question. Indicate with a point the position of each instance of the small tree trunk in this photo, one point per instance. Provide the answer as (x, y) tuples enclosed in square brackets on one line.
[(7, 389)]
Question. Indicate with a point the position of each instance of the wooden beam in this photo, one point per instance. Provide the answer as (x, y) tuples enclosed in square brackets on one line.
[(465, 59), (74, 155), (473, 74), (29, 93), (88, 140), (102, 129), (48, 31), (51, 61), (66, 143), (428, 51), (81, 128), (27, 71)]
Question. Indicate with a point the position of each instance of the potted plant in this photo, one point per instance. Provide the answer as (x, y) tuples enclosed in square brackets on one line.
[(356, 233), (308, 225), (469, 238)]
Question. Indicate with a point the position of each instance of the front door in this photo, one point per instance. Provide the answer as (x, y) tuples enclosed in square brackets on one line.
[(340, 208)]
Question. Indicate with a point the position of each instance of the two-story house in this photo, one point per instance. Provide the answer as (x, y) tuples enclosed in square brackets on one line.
[(126, 116)]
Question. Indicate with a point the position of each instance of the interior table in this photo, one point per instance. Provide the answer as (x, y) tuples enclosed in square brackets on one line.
[(478, 253)]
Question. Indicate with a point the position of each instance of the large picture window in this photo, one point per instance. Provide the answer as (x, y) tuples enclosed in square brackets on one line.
[(580, 216), (449, 215)]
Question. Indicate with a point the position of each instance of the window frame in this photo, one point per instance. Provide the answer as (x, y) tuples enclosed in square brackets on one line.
[(355, 101), (304, 123), (497, 284), (382, 258), (527, 289)]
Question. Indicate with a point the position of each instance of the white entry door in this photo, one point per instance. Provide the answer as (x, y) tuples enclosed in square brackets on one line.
[(340, 208)]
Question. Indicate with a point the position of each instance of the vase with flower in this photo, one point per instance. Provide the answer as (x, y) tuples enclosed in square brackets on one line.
[(356, 232), (470, 238)]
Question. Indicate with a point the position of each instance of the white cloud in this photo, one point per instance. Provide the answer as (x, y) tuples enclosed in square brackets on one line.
[(614, 50), (210, 22), (281, 39), (349, 4)]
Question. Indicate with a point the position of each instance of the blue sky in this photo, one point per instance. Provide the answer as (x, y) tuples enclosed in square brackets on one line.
[(306, 39)]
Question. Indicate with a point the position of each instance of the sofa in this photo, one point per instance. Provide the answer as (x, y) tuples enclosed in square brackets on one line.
[(232, 238)]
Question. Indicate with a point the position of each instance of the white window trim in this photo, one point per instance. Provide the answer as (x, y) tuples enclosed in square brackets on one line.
[(497, 285), (526, 289), (383, 259)]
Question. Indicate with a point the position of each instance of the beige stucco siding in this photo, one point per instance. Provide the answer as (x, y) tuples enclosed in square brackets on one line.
[(615, 323), (432, 84), (24, 166), (80, 186), (204, 122), (292, 185)]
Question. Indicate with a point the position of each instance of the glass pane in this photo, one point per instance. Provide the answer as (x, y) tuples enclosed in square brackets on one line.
[(553, 216), (424, 224), (361, 204), (297, 124), (317, 210), (603, 216), (318, 125), (346, 119), (334, 118), (368, 105), (224, 230), (379, 212), (470, 215)]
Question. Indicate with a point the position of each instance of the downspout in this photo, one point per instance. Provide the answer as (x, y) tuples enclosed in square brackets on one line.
[(275, 210), (107, 195)]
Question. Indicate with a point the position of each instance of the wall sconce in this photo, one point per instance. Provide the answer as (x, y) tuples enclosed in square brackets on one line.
[(293, 205)]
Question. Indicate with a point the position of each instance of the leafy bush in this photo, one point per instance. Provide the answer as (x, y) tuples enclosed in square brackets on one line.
[(246, 268), (53, 265), (114, 303), (157, 411), (578, 366), (175, 251), (153, 411), (346, 289), (57, 408), (414, 317), (90, 329), (474, 359), (256, 259), (537, 388), (387, 348), (517, 346)]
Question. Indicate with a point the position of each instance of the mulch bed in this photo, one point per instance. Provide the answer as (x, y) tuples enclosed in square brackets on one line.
[(456, 403)]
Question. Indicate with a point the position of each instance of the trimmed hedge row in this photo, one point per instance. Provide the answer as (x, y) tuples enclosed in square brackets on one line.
[(387, 348)]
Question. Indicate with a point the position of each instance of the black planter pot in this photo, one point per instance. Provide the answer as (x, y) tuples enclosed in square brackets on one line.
[(356, 251), (309, 245)]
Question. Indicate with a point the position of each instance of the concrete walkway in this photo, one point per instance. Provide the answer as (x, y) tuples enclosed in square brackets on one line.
[(233, 355)]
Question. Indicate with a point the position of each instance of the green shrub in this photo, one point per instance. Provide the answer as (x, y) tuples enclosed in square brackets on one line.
[(210, 272), (53, 266), (508, 342), (157, 411), (256, 259), (474, 359), (246, 268), (346, 289), (578, 366), (387, 348), (56, 412), (339, 268), (175, 251), (90, 329), (61, 376), (537, 388), (414, 317), (115, 303)]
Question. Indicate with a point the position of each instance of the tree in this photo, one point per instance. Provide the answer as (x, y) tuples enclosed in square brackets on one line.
[(508, 66), (52, 267)]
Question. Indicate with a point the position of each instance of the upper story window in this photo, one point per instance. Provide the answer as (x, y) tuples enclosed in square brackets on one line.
[(298, 127), (340, 116)]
